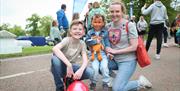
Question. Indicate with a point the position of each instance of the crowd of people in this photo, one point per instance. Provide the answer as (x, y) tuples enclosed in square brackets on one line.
[(108, 46)]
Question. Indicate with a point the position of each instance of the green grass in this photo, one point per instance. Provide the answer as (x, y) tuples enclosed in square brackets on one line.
[(29, 51)]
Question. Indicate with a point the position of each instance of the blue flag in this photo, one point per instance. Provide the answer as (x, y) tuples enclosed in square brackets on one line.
[(78, 5)]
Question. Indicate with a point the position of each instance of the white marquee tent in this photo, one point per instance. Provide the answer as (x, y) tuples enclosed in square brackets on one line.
[(8, 43)]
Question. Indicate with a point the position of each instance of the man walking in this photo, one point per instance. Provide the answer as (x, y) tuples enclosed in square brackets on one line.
[(62, 19), (158, 16)]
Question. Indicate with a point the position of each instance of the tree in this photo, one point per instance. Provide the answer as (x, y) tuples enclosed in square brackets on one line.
[(17, 30), (175, 4), (33, 24), (4, 27), (45, 24), (140, 3)]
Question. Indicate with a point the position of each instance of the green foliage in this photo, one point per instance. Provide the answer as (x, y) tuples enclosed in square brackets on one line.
[(138, 4), (33, 24), (45, 24), (17, 30), (4, 27), (29, 51)]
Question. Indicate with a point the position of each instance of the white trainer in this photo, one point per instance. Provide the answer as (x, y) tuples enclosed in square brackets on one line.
[(110, 83), (157, 56), (165, 45), (144, 82)]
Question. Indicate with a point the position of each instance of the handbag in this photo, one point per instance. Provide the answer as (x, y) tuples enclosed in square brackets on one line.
[(143, 58), (142, 55)]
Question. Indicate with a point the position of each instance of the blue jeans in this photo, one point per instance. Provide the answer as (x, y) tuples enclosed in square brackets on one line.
[(58, 69), (103, 67), (124, 73)]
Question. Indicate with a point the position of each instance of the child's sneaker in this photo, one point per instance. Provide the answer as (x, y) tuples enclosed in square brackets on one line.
[(105, 87), (110, 82), (144, 82), (92, 87)]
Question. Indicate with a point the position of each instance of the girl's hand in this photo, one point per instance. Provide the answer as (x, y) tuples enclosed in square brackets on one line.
[(78, 74), (69, 71), (110, 50), (110, 56)]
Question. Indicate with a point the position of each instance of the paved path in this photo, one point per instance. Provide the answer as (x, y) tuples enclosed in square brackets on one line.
[(32, 73)]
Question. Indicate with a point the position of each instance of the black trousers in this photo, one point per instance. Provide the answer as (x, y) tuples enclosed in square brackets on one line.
[(155, 30), (165, 34)]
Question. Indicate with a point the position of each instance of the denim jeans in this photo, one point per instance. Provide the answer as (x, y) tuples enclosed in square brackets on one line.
[(58, 69), (103, 67), (124, 73)]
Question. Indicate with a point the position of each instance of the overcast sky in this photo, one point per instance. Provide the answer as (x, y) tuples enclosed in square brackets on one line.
[(17, 11)]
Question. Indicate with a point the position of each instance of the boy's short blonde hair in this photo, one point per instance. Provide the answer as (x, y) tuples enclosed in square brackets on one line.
[(75, 22)]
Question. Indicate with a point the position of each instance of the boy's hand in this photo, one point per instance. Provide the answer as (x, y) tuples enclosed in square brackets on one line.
[(78, 74), (69, 71)]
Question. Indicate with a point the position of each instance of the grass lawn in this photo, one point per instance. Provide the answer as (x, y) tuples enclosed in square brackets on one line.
[(29, 51)]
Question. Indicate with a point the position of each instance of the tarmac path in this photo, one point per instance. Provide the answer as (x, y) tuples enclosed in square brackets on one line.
[(32, 73)]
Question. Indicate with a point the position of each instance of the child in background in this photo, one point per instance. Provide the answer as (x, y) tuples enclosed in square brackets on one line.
[(55, 33), (178, 32), (141, 27), (98, 35), (67, 56), (75, 16)]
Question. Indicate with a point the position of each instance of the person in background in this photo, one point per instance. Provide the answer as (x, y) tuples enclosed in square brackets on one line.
[(55, 34), (95, 10), (87, 15), (165, 34), (141, 27), (75, 16), (174, 27), (178, 30), (68, 55), (158, 17), (62, 19), (123, 46)]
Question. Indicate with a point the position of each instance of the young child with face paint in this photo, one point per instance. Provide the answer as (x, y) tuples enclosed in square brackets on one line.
[(100, 32)]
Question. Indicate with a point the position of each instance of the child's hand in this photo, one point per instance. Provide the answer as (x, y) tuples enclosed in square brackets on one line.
[(78, 74), (110, 56), (69, 71), (98, 39)]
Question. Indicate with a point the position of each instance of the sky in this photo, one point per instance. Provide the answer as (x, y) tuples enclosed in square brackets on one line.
[(17, 11)]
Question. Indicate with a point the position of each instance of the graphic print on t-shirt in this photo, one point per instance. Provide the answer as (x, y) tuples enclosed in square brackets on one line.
[(114, 36)]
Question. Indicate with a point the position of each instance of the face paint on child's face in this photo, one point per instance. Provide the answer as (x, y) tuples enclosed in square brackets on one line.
[(115, 12), (77, 31), (97, 23)]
